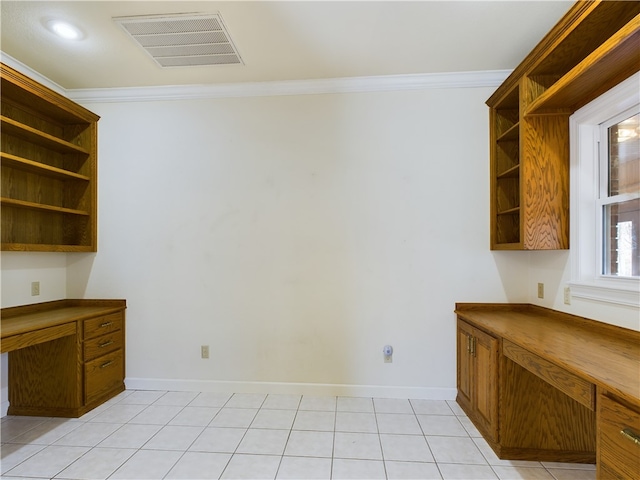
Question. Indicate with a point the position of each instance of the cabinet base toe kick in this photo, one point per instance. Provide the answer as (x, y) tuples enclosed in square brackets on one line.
[(539, 455)]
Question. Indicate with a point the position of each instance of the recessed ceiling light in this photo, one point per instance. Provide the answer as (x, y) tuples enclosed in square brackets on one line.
[(64, 29)]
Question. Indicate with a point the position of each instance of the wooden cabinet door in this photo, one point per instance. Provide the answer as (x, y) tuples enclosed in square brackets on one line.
[(485, 375), (477, 377), (464, 376)]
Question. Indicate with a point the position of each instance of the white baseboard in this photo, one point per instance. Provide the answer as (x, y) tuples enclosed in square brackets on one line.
[(375, 391)]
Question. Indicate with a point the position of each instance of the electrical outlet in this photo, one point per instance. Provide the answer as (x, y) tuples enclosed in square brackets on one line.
[(35, 289), (204, 351), (567, 296), (540, 290), (388, 354)]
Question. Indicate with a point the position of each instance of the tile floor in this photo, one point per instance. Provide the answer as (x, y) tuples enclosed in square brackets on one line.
[(185, 435)]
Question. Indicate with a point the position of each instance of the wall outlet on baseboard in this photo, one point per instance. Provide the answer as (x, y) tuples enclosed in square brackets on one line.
[(540, 290), (35, 289), (204, 351)]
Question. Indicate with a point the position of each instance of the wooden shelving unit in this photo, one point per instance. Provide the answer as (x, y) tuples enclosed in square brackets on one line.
[(506, 165), (49, 169), (591, 49)]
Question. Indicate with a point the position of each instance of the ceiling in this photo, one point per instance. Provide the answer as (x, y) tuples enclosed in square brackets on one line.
[(282, 40)]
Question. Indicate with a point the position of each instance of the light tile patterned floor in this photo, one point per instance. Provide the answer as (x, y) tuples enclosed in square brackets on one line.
[(189, 435)]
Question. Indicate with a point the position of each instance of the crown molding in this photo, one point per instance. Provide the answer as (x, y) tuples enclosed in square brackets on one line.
[(492, 78), (381, 83), (31, 73)]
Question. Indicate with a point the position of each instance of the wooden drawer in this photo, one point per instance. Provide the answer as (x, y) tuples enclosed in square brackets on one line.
[(95, 347), (95, 327), (103, 374), (619, 440)]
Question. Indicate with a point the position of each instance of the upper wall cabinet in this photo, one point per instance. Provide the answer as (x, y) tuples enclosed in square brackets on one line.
[(49, 169), (593, 47)]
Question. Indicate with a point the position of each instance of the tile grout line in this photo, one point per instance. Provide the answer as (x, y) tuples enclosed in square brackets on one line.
[(192, 442), (333, 443), (384, 463), (244, 435), (288, 437), (425, 439)]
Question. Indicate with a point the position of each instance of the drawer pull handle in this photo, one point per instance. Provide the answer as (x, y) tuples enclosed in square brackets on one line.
[(106, 324), (106, 364), (631, 435), (105, 344)]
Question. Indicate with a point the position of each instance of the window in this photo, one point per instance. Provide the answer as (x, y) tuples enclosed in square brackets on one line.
[(605, 196), (619, 202)]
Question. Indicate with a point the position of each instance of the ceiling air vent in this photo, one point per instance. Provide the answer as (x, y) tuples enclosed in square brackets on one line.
[(183, 40)]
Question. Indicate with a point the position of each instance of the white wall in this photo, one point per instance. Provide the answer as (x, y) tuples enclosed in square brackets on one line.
[(19, 269), (296, 235), (553, 268)]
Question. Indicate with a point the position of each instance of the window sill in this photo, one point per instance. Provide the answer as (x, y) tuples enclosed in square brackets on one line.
[(629, 295)]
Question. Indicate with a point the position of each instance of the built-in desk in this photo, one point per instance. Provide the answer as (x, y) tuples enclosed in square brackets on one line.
[(544, 385), (66, 357)]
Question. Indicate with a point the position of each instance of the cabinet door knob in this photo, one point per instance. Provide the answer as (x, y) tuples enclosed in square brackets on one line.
[(106, 364), (105, 344), (631, 435), (106, 324)]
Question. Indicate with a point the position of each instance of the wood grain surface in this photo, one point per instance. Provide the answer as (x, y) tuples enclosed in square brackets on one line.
[(590, 50), (540, 422), (49, 168), (604, 355), (618, 454)]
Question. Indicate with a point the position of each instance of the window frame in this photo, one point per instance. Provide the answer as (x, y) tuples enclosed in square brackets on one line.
[(605, 198), (587, 281)]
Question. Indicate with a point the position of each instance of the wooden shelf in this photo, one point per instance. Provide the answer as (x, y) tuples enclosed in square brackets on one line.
[(44, 247), (10, 202), (511, 134), (48, 154), (22, 90), (592, 48), (11, 127), (614, 61), (510, 211), (513, 172), (40, 168)]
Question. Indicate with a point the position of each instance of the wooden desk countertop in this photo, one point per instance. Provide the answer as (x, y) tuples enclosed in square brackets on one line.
[(605, 355), (27, 325)]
